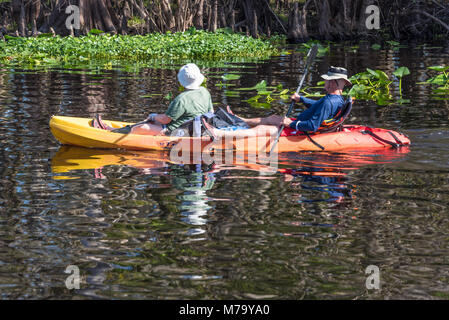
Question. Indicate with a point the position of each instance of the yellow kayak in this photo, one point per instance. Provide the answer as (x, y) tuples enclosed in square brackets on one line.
[(79, 132)]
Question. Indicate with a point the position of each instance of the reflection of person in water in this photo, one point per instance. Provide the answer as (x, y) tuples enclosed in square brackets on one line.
[(193, 181), (319, 179)]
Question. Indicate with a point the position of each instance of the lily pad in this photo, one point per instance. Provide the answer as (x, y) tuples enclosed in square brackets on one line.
[(402, 71)]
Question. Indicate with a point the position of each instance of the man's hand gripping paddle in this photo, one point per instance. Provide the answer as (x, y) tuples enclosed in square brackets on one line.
[(310, 57)]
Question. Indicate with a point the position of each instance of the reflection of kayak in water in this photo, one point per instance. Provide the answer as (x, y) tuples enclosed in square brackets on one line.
[(79, 132), (70, 158)]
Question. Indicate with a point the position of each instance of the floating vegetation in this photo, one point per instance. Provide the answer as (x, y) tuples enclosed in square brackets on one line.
[(439, 82), (372, 85), (266, 94), (375, 85), (322, 49), (105, 49)]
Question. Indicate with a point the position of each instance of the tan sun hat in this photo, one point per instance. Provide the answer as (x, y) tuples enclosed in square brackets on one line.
[(335, 73), (190, 76)]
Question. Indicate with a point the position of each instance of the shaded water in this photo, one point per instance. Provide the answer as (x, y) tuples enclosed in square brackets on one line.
[(139, 226)]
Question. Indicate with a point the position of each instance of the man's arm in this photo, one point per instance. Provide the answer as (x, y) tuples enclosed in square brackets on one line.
[(174, 112), (306, 101), (318, 114), (162, 118)]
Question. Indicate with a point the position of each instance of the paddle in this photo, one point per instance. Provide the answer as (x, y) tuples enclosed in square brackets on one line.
[(127, 129), (310, 57)]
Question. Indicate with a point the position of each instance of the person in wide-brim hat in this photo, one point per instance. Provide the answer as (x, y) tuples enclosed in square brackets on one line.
[(319, 112), (336, 73)]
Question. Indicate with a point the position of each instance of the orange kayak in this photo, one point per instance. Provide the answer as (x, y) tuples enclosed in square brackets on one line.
[(79, 132)]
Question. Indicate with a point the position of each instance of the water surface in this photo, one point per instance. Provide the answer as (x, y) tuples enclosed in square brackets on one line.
[(141, 227)]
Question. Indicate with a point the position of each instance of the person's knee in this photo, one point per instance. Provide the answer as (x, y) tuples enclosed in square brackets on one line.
[(142, 129)]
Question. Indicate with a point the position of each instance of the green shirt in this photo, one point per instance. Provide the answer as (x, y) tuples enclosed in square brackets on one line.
[(188, 105)]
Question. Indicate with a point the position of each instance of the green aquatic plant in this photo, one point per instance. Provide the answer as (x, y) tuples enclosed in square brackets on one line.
[(399, 73), (371, 85), (68, 52), (266, 94), (440, 81), (375, 85), (323, 49)]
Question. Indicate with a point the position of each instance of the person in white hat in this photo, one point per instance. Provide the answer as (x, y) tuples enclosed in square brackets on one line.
[(194, 101), (309, 120)]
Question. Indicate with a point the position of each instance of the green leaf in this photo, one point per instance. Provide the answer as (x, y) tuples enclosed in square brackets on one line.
[(262, 85), (230, 76), (357, 89), (382, 100), (393, 43), (439, 79), (373, 73), (383, 76), (376, 46), (439, 68), (402, 71), (95, 31)]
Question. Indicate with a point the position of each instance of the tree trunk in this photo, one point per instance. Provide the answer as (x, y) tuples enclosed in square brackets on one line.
[(22, 21), (214, 20), (167, 12), (251, 17), (233, 20), (124, 19), (198, 19), (222, 15), (34, 14), (255, 25), (105, 17), (297, 30), (324, 27)]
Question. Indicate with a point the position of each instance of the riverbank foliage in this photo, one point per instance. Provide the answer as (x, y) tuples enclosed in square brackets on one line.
[(298, 20), (47, 50)]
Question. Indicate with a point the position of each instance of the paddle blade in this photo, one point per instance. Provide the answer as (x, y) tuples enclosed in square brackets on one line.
[(311, 55), (124, 130)]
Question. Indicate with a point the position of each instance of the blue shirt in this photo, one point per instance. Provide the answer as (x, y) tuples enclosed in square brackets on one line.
[(317, 111)]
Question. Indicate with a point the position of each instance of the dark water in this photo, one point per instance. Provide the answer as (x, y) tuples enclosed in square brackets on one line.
[(141, 227)]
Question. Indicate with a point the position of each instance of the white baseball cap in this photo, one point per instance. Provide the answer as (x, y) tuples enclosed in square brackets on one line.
[(190, 76)]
